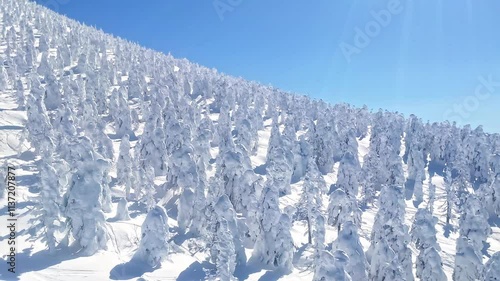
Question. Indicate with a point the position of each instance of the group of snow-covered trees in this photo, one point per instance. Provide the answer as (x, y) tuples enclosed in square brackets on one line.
[(197, 130)]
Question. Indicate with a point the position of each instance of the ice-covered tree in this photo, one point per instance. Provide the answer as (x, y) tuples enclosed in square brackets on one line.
[(342, 208), (348, 241), (223, 252), (21, 99), (53, 95), (491, 270), (154, 245), (83, 199), (47, 216), (318, 235), (468, 261), (283, 253), (384, 264), (226, 214), (423, 233), (309, 205), (145, 190), (416, 172), (392, 271), (331, 267), (279, 170), (122, 210), (274, 246), (348, 173), (389, 227), (423, 230), (429, 265), (474, 224), (124, 173)]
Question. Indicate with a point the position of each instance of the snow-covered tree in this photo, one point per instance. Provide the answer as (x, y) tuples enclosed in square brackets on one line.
[(491, 270), (348, 241), (53, 95), (274, 246), (348, 173), (83, 199), (47, 210), (122, 210), (278, 168), (468, 261), (145, 190), (154, 245), (331, 267), (309, 205), (389, 227), (225, 212), (474, 224), (224, 252), (423, 233), (384, 264), (416, 171), (124, 173), (343, 208), (429, 265)]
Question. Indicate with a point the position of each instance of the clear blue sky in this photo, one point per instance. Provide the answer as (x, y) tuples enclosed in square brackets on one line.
[(426, 60)]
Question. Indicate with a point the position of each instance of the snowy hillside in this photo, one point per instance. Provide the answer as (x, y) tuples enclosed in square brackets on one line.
[(121, 163)]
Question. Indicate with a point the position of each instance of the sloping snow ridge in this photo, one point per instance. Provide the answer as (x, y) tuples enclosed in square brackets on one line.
[(127, 164)]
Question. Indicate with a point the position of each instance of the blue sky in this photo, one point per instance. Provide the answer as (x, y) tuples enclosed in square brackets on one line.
[(438, 59)]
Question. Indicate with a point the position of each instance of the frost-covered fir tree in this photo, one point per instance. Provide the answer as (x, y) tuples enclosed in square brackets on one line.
[(429, 265), (83, 199), (53, 96), (348, 241), (274, 246), (491, 270), (124, 173), (347, 177), (145, 191), (389, 227), (384, 264), (223, 252), (342, 208), (225, 212), (331, 267), (416, 172), (122, 210), (283, 253), (318, 236), (468, 261), (309, 205), (423, 233), (474, 222), (154, 245), (47, 210)]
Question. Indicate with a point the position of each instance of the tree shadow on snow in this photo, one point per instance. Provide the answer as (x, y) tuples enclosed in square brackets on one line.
[(26, 262), (448, 228), (261, 170), (435, 168), (494, 221), (409, 187), (196, 271), (272, 275), (137, 209), (486, 246), (133, 269)]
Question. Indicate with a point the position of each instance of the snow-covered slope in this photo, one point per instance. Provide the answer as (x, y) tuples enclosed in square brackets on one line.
[(131, 164)]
